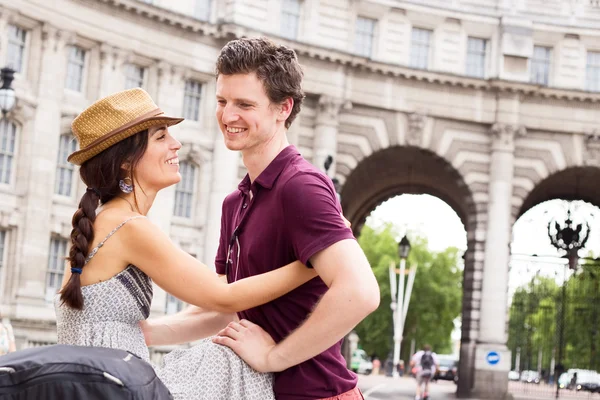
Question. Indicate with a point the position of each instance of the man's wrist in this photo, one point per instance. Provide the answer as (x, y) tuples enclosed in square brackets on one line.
[(276, 361)]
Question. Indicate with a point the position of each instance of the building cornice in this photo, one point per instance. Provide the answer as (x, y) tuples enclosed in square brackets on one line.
[(227, 31)]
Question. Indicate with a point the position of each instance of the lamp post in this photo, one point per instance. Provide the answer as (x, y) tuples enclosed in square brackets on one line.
[(570, 238), (400, 299), (7, 93)]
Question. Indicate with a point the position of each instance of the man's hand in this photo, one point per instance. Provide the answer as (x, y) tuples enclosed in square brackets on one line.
[(251, 343)]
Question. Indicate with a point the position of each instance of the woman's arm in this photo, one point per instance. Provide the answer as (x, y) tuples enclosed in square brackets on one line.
[(181, 275)]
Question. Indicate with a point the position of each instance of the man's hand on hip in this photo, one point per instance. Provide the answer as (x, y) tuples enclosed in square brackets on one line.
[(251, 343)]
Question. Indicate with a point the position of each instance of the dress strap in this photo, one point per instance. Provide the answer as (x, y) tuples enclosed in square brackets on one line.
[(95, 249)]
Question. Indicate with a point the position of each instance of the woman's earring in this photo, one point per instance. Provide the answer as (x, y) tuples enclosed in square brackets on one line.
[(126, 187)]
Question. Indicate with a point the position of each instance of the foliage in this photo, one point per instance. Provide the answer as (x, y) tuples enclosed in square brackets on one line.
[(549, 318), (436, 297)]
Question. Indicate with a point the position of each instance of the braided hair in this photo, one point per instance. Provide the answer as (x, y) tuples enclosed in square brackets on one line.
[(101, 174)]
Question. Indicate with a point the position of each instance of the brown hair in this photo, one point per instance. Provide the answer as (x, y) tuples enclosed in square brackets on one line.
[(276, 66), (101, 174)]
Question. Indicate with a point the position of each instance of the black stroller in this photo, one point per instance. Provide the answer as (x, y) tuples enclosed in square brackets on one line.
[(74, 372)]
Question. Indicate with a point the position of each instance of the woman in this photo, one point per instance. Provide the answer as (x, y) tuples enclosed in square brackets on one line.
[(127, 155)]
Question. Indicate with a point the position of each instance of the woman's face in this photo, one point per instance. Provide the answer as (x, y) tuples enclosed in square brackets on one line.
[(159, 166)]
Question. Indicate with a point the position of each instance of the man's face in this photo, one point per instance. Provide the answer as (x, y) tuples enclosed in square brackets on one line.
[(246, 117)]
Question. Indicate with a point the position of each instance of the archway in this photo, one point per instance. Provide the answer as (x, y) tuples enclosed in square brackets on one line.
[(554, 323), (410, 170)]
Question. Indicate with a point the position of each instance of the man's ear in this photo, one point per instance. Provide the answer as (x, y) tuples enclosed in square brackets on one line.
[(285, 109)]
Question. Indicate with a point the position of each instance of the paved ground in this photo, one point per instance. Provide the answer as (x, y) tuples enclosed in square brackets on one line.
[(385, 388), (382, 387)]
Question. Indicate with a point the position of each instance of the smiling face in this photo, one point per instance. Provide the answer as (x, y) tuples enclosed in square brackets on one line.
[(159, 166), (248, 120)]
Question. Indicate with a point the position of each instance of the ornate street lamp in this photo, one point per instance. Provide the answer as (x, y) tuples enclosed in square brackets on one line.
[(569, 238), (7, 93)]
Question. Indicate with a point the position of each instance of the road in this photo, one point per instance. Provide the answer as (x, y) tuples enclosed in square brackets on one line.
[(382, 388)]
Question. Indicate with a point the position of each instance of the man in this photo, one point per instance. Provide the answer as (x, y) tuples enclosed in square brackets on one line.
[(426, 363), (284, 210)]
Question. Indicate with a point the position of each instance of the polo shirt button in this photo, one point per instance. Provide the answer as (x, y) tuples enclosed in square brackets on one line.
[(245, 205)]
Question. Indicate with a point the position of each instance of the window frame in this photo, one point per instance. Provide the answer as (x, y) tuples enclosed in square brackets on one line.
[(191, 192), (285, 16), (25, 45), (59, 268), (534, 62), (128, 78), (595, 87), (207, 6), (482, 56), (360, 35), (65, 165), (193, 95), (84, 69), (416, 43), (14, 162)]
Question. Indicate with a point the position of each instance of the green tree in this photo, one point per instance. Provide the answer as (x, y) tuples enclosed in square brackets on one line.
[(435, 301)]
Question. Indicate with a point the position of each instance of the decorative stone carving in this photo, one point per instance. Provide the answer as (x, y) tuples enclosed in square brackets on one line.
[(416, 128), (54, 39), (328, 109), (503, 136), (592, 148)]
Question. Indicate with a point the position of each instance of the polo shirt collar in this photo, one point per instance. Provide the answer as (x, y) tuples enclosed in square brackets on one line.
[(268, 177)]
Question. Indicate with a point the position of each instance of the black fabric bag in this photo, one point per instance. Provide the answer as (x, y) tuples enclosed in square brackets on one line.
[(73, 372)]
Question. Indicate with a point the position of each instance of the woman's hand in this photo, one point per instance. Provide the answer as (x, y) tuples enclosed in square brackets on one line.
[(251, 343)]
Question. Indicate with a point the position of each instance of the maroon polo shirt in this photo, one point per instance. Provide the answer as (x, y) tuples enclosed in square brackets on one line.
[(294, 213)]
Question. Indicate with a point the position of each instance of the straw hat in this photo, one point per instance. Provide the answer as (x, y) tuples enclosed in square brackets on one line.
[(115, 118)]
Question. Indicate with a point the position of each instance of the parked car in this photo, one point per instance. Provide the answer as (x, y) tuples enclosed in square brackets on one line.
[(448, 368), (530, 377), (513, 375), (360, 362)]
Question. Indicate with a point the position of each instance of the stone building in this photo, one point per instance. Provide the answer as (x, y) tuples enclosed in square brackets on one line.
[(491, 105)]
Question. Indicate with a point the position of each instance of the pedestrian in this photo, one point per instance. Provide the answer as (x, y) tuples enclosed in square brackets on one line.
[(7, 337), (376, 365), (425, 363)]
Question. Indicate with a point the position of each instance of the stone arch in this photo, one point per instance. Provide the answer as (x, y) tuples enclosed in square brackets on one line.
[(573, 183), (406, 169)]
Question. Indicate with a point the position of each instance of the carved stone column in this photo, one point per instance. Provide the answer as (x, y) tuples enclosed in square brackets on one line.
[(492, 358), (326, 130)]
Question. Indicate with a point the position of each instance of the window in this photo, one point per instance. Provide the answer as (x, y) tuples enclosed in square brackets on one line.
[(419, 48), (476, 49), (16, 47), (540, 65), (56, 264), (173, 305), (202, 9), (75, 68), (191, 100), (64, 171), (8, 134), (184, 192), (592, 73), (134, 76), (290, 18), (363, 37), (2, 248)]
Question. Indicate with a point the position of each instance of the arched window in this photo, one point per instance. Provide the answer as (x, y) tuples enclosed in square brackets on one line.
[(8, 137), (184, 192), (63, 182)]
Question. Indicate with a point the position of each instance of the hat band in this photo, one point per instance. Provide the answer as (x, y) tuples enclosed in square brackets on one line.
[(141, 118)]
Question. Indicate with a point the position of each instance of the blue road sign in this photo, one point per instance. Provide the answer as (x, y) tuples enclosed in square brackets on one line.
[(492, 358)]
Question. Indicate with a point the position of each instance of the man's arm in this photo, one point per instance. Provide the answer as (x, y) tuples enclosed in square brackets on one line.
[(353, 294), (192, 323)]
